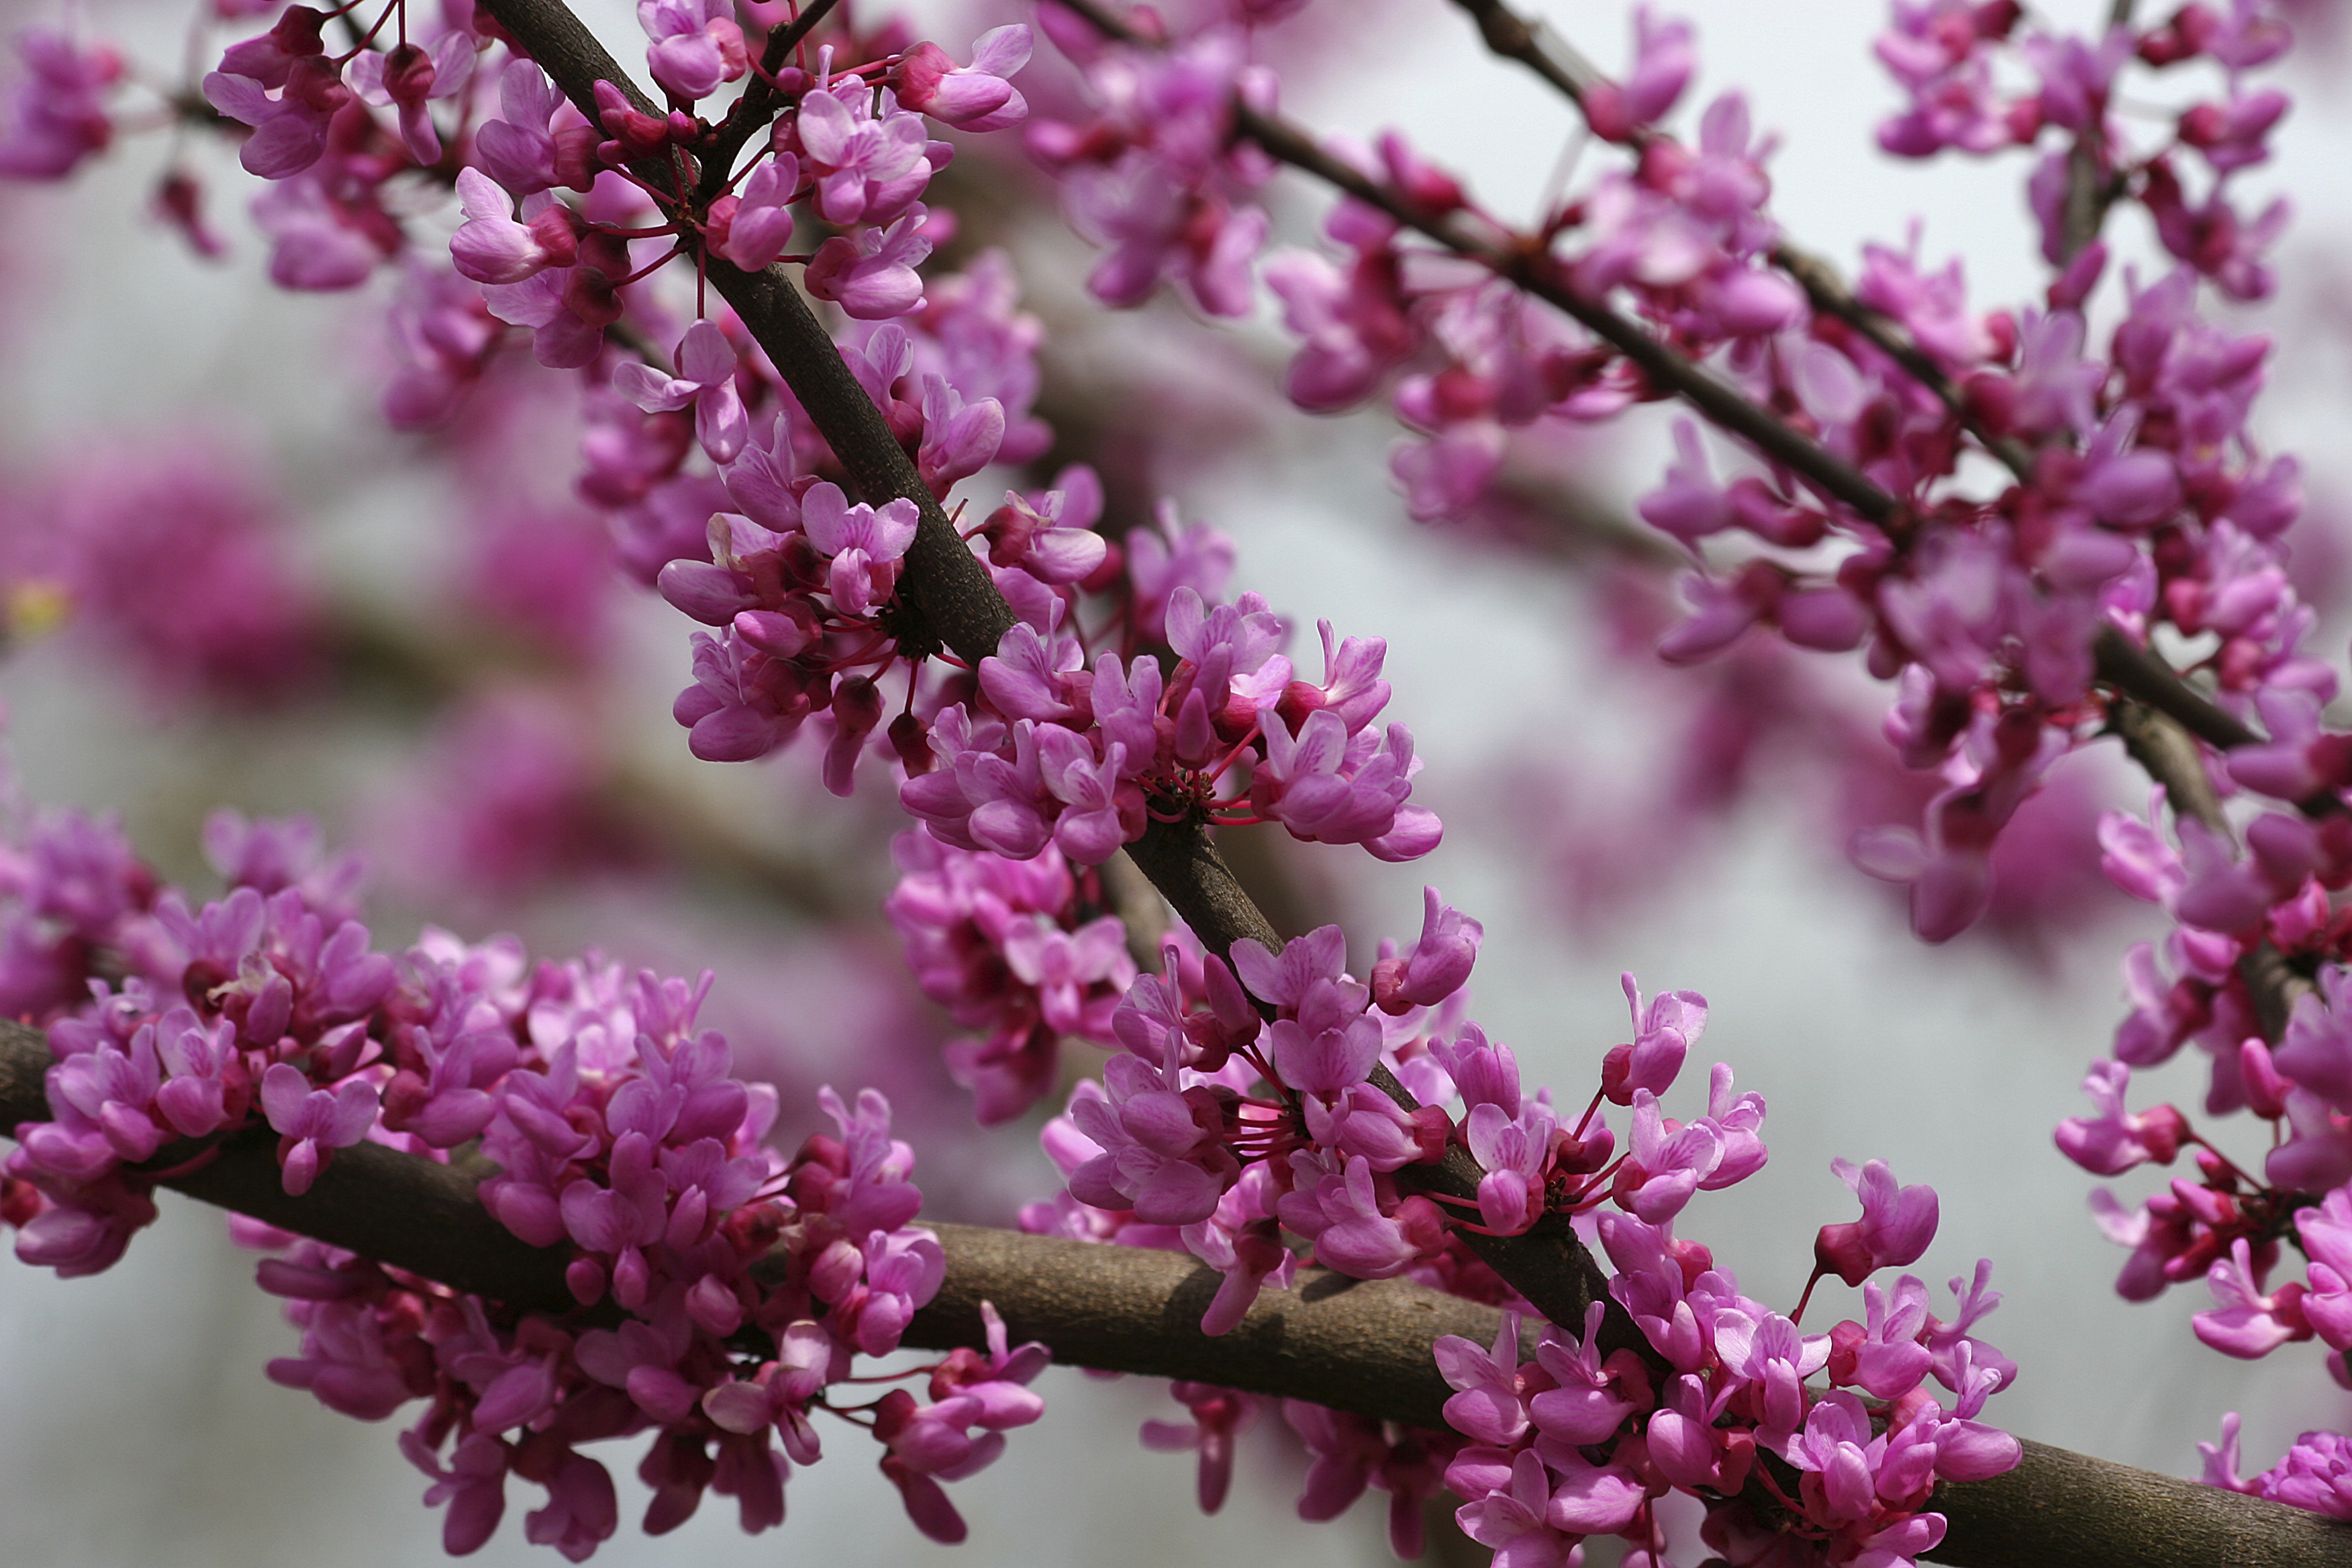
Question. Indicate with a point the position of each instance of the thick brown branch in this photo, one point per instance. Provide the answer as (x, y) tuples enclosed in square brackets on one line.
[(2137, 673), (1353, 1344)]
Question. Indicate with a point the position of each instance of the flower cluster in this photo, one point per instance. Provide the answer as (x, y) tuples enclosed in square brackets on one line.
[(2315, 1472), (2238, 921), (718, 1289), (1251, 1102), (1156, 175), (1946, 55), (1006, 947), (2140, 500), (1056, 753), (1281, 1094), (1583, 1441), (239, 620)]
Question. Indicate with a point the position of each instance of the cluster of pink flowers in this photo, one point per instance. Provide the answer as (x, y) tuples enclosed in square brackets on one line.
[(2236, 917), (1249, 1113), (1867, 1453), (1947, 54), (1155, 173), (278, 981), (720, 1289), (236, 621), (718, 486), (1009, 947), (1245, 1108), (2314, 1473), (1055, 752), (2226, 1224)]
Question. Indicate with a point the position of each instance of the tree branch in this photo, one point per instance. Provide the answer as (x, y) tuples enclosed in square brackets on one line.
[(1533, 43), (1531, 266), (758, 105), (1359, 1345)]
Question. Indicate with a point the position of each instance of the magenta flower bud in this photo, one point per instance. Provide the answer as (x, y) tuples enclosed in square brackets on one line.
[(711, 594), (584, 1276), (714, 1307), (638, 134), (837, 1271)]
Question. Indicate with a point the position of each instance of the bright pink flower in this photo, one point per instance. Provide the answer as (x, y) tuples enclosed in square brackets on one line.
[(760, 226), (696, 45), (1663, 59), (56, 118), (976, 97), (1895, 1227), (490, 246), (407, 76), (705, 379), (869, 165), (865, 545), (1219, 1415), (313, 1122), (2246, 1322), (871, 274), (2119, 1139)]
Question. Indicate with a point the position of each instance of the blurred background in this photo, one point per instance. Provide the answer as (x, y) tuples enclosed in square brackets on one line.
[(498, 742)]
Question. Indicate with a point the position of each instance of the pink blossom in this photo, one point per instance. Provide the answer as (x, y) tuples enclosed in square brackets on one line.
[(1219, 1415), (290, 130), (976, 97), (2117, 1139), (705, 379), (2246, 1322), (871, 274), (696, 45), (1438, 964), (56, 118), (517, 149), (1340, 1210), (865, 543), (490, 246), (759, 225), (1661, 1037), (407, 76), (313, 1122), (1895, 1227), (869, 163), (1663, 59)]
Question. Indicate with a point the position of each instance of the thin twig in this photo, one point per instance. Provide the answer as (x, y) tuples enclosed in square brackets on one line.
[(759, 101), (1533, 43), (1536, 271)]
